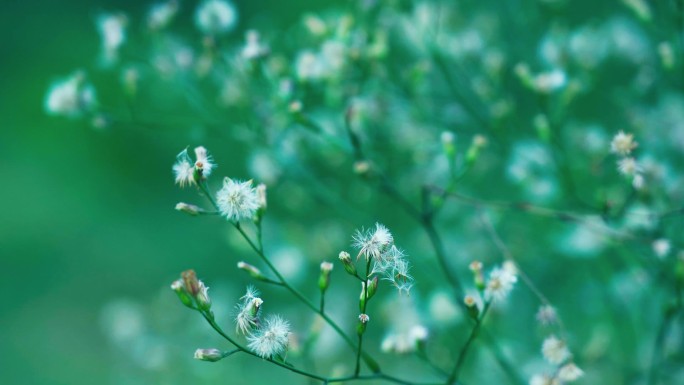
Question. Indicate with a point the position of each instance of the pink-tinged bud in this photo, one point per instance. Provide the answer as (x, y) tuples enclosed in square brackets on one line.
[(211, 355), (188, 208), (190, 282), (478, 276), (203, 300), (251, 270)]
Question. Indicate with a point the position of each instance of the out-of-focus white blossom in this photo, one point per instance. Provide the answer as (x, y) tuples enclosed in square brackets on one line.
[(570, 372), (112, 29), (546, 315), (629, 166), (70, 97), (548, 82), (500, 284), (623, 144), (555, 350), (215, 17), (661, 247), (161, 14), (254, 48)]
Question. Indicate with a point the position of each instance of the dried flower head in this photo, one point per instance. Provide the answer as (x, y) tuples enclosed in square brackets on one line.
[(373, 243), (555, 350), (248, 311), (500, 284), (271, 339), (623, 144), (237, 200)]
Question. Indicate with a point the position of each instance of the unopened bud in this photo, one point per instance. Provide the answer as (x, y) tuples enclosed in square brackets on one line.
[(361, 167), (203, 300), (190, 282), (324, 278), (347, 262), (251, 270), (368, 290), (211, 355), (254, 306), (478, 277), (471, 305), (448, 139), (183, 295), (473, 152), (188, 208), (261, 196), (363, 320)]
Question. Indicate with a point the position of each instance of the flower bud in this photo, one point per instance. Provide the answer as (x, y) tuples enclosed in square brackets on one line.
[(324, 278), (261, 196), (251, 270), (347, 262), (362, 168), (211, 355), (372, 287), (190, 282), (363, 320), (188, 208), (478, 277), (183, 295), (254, 306), (479, 142), (471, 305), (203, 300), (448, 139)]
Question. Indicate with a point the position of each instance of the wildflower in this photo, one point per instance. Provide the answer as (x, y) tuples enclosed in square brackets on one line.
[(70, 97), (623, 144), (247, 316), (555, 350), (203, 297), (309, 66), (261, 196), (211, 355), (162, 14), (543, 379), (405, 342), (629, 167), (500, 284), (183, 169), (237, 200), (215, 16), (546, 315), (253, 48), (570, 372), (188, 208), (372, 244), (549, 82), (112, 28), (203, 162), (661, 247), (471, 304), (638, 181), (272, 339), (347, 262), (324, 279), (364, 318)]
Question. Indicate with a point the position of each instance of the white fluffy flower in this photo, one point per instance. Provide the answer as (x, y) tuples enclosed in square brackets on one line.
[(373, 243), (183, 169), (555, 350), (629, 166), (546, 315), (500, 283), (161, 14), (253, 48), (203, 161), (70, 97), (570, 372), (549, 82), (622, 144), (112, 28), (661, 247), (248, 311), (271, 339), (237, 200), (215, 16)]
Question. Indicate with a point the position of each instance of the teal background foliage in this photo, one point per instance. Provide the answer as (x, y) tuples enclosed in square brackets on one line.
[(89, 240)]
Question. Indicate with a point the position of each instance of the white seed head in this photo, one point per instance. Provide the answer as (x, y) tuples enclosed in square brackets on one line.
[(629, 166), (215, 17), (500, 284), (555, 350), (623, 144), (237, 200), (271, 339), (203, 161), (183, 170), (570, 372)]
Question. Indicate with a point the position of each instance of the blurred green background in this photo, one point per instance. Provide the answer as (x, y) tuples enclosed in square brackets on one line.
[(89, 240)]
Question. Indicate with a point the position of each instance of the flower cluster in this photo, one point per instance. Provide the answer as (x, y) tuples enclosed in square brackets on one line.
[(556, 352), (189, 172), (377, 245), (622, 145), (267, 339)]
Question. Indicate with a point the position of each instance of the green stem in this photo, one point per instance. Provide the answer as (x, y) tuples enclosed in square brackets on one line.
[(363, 311), (453, 377)]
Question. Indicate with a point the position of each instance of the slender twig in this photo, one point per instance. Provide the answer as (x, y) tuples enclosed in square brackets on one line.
[(363, 311), (453, 377)]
